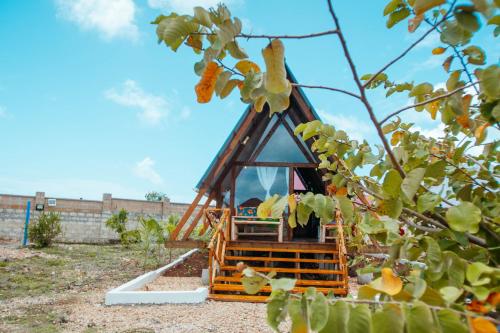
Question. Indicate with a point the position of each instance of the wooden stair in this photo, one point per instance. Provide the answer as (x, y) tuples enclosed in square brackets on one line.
[(312, 264)]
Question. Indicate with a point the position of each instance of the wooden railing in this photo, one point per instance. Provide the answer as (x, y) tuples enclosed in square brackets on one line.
[(219, 220)]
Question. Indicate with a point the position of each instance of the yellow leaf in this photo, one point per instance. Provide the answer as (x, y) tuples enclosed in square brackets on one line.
[(396, 137), (205, 88), (463, 119), (421, 6), (342, 191), (292, 204), (482, 325), (259, 103), (265, 209), (433, 108), (480, 132), (274, 56), (438, 50), (447, 63), (388, 282), (244, 66)]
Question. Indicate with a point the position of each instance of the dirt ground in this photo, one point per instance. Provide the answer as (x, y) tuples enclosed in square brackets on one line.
[(61, 289)]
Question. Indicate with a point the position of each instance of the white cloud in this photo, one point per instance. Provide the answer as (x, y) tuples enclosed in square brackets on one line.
[(355, 128), (431, 41), (185, 112), (435, 132), (185, 6), (153, 108), (111, 18), (145, 169)]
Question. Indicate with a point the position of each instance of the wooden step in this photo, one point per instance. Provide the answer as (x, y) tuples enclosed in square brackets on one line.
[(329, 283), (267, 289), (287, 270), (238, 298), (244, 258), (271, 249), (294, 246), (257, 234)]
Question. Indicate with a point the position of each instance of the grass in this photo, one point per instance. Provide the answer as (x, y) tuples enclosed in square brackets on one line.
[(68, 271)]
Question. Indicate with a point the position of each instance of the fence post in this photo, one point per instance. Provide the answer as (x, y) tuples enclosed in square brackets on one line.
[(26, 223)]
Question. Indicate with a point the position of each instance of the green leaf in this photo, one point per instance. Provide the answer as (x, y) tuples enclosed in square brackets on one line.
[(286, 284), (338, 315), (392, 183), (436, 170), (427, 202), (490, 78), (303, 213), (296, 310), (318, 312), (412, 181), (277, 309), (421, 6), (222, 81), (397, 16), (450, 294), (450, 322), (419, 318), (346, 208), (475, 55), (360, 319), (388, 320), (173, 30), (454, 34), (474, 272), (323, 207), (467, 20), (464, 218), (202, 16), (253, 284), (421, 89), (367, 292)]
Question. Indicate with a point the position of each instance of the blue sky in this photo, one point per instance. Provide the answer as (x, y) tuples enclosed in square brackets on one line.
[(90, 103)]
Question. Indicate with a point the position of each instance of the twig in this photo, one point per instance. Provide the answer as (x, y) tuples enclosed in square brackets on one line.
[(430, 100), (419, 227), (328, 88), (250, 36), (405, 52), (362, 93)]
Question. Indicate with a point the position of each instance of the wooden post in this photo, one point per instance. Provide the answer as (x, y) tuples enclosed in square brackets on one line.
[(197, 217), (187, 214)]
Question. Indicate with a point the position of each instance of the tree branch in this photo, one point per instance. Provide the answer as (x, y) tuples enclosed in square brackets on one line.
[(430, 100), (405, 52), (250, 36), (327, 88), (362, 93)]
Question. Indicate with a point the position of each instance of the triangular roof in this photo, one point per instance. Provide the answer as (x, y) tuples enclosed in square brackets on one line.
[(249, 129)]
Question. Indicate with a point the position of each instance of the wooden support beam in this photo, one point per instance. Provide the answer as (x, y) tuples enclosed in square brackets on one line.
[(193, 224), (187, 214), (278, 164)]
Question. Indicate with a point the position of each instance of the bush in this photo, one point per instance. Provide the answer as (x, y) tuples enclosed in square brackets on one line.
[(43, 232), (117, 223)]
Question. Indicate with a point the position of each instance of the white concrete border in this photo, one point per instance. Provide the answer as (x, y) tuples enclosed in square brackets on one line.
[(127, 293)]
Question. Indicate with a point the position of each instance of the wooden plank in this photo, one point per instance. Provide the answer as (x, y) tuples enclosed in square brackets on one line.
[(256, 222), (258, 233), (267, 289), (276, 259), (234, 279), (271, 249), (193, 224), (238, 298), (288, 270), (187, 214), (185, 244)]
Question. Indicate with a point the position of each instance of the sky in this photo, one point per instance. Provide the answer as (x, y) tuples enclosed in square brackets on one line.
[(90, 103)]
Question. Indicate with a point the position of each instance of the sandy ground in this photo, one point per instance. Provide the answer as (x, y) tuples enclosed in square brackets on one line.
[(165, 283)]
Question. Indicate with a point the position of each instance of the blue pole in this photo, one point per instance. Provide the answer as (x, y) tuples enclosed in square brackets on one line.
[(26, 223)]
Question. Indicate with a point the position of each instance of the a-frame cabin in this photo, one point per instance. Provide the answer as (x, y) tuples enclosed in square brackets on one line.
[(260, 158)]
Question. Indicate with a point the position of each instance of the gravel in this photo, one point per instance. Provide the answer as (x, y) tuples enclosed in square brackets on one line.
[(165, 283)]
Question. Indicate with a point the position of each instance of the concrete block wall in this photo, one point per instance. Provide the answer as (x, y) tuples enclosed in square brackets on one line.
[(83, 221)]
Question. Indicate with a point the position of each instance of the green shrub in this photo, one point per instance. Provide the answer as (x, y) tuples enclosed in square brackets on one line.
[(118, 223), (47, 227)]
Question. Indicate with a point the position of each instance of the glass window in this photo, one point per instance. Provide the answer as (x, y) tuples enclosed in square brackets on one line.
[(254, 184), (281, 147)]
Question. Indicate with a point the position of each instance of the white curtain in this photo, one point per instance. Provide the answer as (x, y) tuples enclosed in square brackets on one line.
[(267, 175)]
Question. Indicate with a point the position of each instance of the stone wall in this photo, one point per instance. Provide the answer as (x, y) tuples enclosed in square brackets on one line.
[(81, 220)]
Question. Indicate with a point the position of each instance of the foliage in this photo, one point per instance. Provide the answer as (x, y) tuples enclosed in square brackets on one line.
[(118, 223), (47, 227), (433, 200), (152, 236), (155, 196)]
